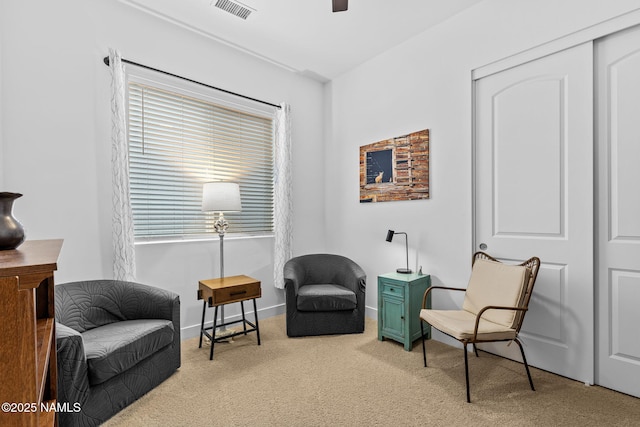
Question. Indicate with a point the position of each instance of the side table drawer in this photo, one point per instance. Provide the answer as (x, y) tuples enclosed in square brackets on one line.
[(393, 290), (231, 294)]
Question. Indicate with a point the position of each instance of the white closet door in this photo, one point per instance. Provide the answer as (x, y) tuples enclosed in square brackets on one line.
[(534, 196), (618, 210)]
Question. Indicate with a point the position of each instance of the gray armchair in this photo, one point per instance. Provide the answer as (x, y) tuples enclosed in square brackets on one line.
[(325, 294), (116, 341)]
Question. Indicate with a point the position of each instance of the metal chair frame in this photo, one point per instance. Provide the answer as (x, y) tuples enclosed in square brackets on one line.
[(534, 265)]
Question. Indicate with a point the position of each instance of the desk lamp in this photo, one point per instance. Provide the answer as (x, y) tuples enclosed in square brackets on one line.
[(390, 234)]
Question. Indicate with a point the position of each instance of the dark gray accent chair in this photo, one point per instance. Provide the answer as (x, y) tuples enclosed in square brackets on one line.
[(325, 294), (116, 341)]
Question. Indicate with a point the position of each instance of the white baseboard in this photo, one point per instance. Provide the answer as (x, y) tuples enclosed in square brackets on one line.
[(371, 312), (193, 331)]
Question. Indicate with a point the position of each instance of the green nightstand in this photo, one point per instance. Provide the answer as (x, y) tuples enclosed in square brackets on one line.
[(399, 305)]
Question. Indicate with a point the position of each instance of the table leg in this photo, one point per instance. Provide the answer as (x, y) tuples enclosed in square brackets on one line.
[(213, 332), (255, 311), (244, 321), (204, 310)]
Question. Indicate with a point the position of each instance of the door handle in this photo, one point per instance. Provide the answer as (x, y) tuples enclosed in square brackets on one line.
[(483, 246)]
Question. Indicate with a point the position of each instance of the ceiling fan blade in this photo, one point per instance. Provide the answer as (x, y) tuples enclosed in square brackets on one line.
[(340, 5)]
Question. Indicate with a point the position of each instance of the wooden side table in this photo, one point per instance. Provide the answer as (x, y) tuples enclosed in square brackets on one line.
[(227, 290), (399, 304)]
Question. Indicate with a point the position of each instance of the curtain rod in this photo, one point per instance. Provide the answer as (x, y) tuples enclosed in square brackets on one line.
[(106, 61)]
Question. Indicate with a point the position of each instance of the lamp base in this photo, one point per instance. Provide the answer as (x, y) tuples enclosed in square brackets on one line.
[(404, 271)]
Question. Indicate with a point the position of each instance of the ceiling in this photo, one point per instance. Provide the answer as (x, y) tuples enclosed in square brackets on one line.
[(304, 36)]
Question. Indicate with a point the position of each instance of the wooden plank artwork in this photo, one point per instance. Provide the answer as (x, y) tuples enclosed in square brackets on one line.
[(395, 169)]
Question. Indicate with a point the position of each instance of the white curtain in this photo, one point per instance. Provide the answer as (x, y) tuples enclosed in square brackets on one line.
[(124, 262), (282, 203)]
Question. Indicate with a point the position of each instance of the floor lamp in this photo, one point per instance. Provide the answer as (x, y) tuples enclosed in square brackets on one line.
[(220, 196)]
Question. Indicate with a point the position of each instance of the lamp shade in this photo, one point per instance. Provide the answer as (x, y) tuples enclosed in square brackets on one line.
[(390, 234), (221, 196)]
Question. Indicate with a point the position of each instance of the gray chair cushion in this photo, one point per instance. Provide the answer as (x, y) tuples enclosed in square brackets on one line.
[(114, 348), (325, 297)]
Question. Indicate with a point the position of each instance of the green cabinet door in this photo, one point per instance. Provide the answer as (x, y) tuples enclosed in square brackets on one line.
[(392, 318)]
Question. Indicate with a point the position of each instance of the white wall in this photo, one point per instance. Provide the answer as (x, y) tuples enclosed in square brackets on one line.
[(426, 83), (55, 135), (56, 139)]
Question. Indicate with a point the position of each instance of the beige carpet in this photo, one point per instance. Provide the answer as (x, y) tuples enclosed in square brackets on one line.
[(356, 380)]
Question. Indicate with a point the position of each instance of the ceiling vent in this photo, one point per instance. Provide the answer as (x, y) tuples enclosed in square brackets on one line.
[(235, 8)]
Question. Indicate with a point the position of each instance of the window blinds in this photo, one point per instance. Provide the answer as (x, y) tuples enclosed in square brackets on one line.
[(177, 143)]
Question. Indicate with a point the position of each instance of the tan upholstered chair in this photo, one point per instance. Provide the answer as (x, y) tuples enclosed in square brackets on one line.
[(495, 302)]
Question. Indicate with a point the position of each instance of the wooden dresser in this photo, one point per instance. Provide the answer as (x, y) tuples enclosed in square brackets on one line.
[(28, 370)]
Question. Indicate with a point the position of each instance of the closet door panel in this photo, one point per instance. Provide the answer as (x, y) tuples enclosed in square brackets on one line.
[(618, 241), (533, 196)]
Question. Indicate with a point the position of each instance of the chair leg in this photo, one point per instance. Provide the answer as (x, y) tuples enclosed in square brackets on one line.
[(475, 349), (424, 349), (466, 372), (526, 366)]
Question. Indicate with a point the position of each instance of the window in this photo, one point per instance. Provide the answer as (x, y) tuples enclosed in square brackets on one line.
[(181, 136)]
